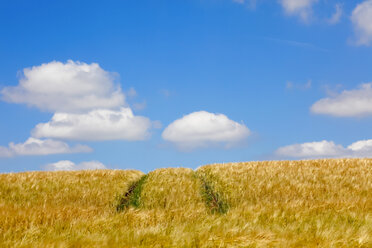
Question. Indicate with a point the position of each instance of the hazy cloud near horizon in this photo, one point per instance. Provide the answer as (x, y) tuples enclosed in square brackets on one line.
[(33, 146), (66, 165), (326, 149)]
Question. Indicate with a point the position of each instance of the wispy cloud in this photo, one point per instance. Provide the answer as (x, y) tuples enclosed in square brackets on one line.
[(131, 93), (165, 92), (336, 17), (299, 44), (250, 3), (290, 85), (362, 20), (139, 105), (300, 8)]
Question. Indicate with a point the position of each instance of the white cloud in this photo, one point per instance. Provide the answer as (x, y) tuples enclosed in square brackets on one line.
[(87, 104), (70, 166), (312, 149), (301, 8), (349, 103), (66, 87), (326, 149), (201, 129), (362, 20), (336, 17), (362, 148), (101, 124), (34, 146)]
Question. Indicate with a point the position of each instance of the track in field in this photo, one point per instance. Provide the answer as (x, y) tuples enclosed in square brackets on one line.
[(171, 189)]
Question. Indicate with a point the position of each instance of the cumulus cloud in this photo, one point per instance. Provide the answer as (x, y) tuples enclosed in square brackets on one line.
[(96, 125), (362, 21), (70, 166), (326, 149), (301, 8), (336, 17), (349, 103), (66, 87), (34, 146), (87, 104), (201, 129)]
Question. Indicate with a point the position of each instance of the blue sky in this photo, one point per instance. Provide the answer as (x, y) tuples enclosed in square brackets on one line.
[(183, 83)]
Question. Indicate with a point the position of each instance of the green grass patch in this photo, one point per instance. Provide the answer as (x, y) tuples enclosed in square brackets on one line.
[(132, 196), (213, 199)]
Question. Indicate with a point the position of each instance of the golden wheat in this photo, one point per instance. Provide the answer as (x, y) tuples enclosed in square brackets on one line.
[(318, 203), (37, 208), (326, 203)]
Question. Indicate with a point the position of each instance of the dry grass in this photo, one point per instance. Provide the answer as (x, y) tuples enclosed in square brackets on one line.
[(320, 203)]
